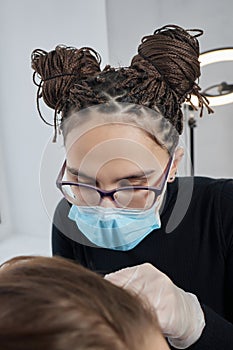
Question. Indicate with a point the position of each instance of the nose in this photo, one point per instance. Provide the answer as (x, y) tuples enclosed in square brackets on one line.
[(107, 202)]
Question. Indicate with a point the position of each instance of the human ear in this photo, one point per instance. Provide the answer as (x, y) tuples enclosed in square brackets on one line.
[(178, 155)]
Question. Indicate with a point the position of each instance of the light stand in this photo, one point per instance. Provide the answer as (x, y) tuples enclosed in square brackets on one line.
[(192, 124)]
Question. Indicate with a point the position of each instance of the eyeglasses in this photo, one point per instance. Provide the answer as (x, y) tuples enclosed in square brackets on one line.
[(135, 197)]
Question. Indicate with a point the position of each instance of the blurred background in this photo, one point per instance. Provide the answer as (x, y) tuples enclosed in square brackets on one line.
[(29, 161)]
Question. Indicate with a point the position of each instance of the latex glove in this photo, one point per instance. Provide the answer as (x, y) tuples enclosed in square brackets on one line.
[(179, 313)]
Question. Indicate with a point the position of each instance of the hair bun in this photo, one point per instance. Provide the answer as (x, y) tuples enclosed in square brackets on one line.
[(60, 69), (174, 53), (162, 75)]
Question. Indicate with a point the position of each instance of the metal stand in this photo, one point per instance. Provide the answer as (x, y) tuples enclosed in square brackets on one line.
[(192, 124)]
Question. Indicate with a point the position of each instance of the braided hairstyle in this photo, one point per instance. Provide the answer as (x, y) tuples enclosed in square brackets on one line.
[(161, 76)]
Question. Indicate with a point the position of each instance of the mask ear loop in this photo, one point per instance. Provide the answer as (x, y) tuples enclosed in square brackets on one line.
[(172, 178), (162, 198)]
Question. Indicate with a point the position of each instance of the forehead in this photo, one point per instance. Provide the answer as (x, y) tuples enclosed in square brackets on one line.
[(104, 143), (150, 124), (88, 136)]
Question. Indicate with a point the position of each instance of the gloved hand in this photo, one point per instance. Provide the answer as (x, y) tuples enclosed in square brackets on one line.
[(179, 313)]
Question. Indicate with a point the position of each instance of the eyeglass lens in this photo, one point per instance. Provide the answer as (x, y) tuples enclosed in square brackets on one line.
[(130, 198)]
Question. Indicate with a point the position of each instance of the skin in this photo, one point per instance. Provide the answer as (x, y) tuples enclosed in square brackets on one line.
[(155, 341), (111, 156)]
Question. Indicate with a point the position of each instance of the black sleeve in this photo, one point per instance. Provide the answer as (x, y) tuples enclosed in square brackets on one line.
[(61, 244), (218, 332), (67, 241), (226, 210)]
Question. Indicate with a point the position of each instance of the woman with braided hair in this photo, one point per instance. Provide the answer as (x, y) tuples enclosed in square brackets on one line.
[(125, 213)]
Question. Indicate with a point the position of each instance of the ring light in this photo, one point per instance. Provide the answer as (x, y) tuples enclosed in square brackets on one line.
[(213, 56)]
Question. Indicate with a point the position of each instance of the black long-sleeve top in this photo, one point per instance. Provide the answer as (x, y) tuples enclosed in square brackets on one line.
[(197, 253)]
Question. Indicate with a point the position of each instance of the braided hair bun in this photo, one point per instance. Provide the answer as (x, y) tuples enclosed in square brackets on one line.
[(170, 58), (162, 75)]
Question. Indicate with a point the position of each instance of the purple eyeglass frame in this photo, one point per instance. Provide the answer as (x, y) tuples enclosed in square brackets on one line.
[(104, 193)]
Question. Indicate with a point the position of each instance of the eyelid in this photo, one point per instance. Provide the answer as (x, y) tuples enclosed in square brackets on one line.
[(142, 178), (86, 181), (78, 175), (82, 178)]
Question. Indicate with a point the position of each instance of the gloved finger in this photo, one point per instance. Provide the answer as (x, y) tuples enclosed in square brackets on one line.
[(122, 277)]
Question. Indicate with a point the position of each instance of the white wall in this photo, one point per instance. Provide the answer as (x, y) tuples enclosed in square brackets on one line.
[(24, 26), (113, 28)]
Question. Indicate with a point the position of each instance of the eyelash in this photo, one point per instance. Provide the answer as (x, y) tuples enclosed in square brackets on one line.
[(87, 182), (133, 182), (140, 182)]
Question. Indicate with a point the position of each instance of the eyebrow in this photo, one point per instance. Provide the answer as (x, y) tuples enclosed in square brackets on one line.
[(137, 175)]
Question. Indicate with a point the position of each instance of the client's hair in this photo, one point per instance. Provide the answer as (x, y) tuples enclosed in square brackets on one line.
[(55, 304)]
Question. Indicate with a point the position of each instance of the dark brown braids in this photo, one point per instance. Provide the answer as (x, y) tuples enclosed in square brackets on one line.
[(162, 75)]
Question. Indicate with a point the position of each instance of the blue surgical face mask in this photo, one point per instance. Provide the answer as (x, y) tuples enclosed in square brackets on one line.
[(115, 228)]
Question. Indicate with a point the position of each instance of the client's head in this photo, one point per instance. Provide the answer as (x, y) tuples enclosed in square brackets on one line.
[(51, 303)]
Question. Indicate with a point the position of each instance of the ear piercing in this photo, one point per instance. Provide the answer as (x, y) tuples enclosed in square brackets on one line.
[(172, 178)]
